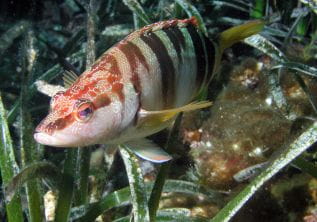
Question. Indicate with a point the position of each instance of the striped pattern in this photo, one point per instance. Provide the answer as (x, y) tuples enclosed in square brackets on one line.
[(168, 62), (161, 66)]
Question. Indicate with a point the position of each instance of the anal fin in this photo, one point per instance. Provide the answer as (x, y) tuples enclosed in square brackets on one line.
[(148, 150)]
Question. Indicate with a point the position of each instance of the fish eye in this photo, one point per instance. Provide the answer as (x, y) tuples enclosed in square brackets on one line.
[(55, 97), (83, 110)]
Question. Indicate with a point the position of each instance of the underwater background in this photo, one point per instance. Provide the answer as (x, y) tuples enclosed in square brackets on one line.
[(251, 156)]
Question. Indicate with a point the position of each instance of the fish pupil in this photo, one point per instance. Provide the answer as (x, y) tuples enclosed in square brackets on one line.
[(85, 112)]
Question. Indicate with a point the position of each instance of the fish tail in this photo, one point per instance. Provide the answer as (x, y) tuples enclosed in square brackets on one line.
[(238, 33), (231, 36)]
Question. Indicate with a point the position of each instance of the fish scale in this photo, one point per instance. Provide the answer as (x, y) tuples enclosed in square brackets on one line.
[(137, 87)]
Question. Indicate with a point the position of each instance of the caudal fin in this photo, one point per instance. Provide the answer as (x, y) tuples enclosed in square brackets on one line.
[(232, 36), (240, 32)]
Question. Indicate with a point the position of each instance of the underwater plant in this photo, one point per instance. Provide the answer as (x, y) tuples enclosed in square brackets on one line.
[(250, 156)]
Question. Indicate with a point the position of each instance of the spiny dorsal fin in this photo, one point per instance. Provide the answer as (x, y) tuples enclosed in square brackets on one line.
[(48, 89), (69, 77)]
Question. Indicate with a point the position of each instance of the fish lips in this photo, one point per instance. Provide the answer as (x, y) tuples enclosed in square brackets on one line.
[(46, 139)]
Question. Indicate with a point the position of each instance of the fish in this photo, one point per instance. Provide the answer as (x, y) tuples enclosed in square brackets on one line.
[(138, 87), (249, 172)]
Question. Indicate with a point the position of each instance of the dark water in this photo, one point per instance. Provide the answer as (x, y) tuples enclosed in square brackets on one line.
[(256, 112)]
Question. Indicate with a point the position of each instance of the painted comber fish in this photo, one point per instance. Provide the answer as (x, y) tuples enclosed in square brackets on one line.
[(137, 87)]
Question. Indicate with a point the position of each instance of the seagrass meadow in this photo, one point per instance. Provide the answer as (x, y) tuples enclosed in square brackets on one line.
[(251, 156)]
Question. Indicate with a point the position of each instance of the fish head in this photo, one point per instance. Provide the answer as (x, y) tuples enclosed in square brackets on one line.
[(86, 113)]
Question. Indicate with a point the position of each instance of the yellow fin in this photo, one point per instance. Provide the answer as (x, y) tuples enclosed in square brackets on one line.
[(157, 118), (240, 32), (69, 77)]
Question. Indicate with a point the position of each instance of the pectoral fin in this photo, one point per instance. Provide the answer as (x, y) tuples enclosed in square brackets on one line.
[(156, 118), (148, 150)]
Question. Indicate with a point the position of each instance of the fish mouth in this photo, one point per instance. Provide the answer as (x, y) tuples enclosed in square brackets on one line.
[(59, 140), (46, 139)]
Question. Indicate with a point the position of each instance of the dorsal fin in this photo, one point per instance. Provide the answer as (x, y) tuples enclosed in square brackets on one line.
[(161, 25), (69, 77)]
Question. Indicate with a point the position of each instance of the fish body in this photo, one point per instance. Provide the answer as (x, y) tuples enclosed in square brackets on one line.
[(136, 88)]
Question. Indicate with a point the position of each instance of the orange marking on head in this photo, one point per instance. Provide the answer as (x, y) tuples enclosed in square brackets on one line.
[(118, 89), (54, 123), (107, 63), (60, 123), (92, 93), (84, 87), (64, 110), (113, 78), (101, 101)]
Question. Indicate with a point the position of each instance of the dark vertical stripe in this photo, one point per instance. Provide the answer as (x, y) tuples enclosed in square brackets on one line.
[(176, 43), (134, 55), (166, 66), (114, 67), (201, 60), (132, 52), (180, 37)]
